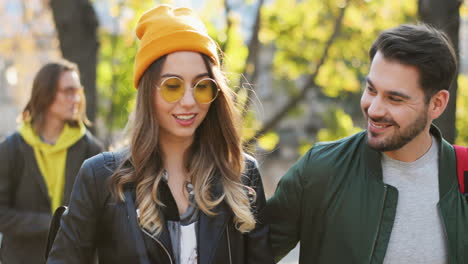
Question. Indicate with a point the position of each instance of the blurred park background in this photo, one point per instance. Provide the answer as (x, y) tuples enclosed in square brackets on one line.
[(298, 66)]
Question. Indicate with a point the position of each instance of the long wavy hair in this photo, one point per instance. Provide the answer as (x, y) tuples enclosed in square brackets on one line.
[(43, 93), (215, 152)]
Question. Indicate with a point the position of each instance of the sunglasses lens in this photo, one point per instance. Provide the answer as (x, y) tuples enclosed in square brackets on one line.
[(172, 89), (205, 91)]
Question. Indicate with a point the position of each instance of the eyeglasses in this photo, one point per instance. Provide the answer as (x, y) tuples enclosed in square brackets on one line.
[(71, 93), (172, 90)]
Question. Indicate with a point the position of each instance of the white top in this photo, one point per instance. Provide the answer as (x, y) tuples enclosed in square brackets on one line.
[(188, 244)]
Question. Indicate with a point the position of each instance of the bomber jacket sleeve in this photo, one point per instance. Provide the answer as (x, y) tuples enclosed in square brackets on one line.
[(258, 242), (75, 241), (13, 221), (283, 211)]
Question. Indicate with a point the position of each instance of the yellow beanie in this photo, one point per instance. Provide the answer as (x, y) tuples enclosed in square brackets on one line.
[(165, 29)]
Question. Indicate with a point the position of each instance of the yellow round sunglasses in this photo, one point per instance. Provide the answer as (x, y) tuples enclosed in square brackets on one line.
[(172, 89)]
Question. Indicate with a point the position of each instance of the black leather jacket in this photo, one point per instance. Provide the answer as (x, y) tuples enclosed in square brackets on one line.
[(94, 222), (24, 199)]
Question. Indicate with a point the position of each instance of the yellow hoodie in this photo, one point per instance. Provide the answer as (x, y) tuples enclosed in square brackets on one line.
[(52, 158)]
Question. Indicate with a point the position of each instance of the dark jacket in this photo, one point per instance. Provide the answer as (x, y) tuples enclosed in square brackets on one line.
[(25, 207), (96, 222), (335, 203)]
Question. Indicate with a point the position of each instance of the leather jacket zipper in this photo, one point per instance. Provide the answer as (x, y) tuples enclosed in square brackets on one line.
[(159, 242), (380, 223), (229, 244)]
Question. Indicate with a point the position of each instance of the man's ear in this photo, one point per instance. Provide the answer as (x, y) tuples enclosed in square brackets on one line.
[(438, 103)]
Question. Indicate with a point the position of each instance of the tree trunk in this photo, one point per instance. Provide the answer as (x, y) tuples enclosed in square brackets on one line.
[(444, 15), (76, 24)]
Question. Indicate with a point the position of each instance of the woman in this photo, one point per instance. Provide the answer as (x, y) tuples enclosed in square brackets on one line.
[(184, 192)]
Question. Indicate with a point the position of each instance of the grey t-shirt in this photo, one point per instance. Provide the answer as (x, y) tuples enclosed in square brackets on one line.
[(418, 235)]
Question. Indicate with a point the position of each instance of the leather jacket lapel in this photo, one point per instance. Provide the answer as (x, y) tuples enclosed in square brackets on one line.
[(211, 228), (145, 242), (163, 239), (137, 235)]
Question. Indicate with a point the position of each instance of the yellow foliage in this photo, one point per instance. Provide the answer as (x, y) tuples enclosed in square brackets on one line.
[(336, 77), (266, 35), (464, 9), (236, 52), (268, 141), (462, 111), (249, 126), (131, 104), (304, 147), (115, 10), (338, 124)]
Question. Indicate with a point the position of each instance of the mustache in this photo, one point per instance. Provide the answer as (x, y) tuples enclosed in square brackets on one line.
[(382, 120)]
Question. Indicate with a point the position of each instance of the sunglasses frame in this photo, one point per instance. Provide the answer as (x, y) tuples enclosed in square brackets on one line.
[(192, 87)]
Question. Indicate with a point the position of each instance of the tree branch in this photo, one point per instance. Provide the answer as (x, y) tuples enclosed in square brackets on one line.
[(250, 72), (227, 12), (307, 86)]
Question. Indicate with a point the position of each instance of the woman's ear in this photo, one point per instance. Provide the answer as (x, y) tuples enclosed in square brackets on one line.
[(438, 103)]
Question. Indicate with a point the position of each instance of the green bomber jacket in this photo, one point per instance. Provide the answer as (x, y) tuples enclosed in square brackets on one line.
[(334, 202)]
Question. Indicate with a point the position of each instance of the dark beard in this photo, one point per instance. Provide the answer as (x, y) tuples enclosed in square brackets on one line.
[(397, 141)]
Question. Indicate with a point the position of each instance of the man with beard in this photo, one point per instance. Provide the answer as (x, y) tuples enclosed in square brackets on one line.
[(388, 194), (39, 162)]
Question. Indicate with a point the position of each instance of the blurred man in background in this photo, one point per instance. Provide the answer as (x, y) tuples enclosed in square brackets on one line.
[(39, 162)]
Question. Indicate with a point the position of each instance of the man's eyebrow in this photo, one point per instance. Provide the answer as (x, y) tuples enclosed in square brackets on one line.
[(393, 93), (402, 95)]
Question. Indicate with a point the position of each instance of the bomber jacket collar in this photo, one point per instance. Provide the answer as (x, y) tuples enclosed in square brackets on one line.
[(447, 166), (372, 157)]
